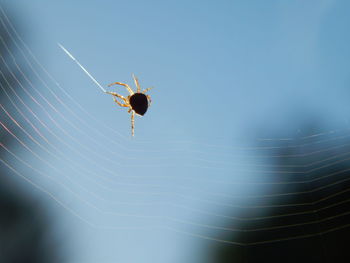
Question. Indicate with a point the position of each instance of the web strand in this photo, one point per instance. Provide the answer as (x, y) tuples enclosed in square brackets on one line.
[(331, 187)]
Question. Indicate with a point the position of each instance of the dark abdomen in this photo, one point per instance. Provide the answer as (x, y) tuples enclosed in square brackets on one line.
[(139, 103)]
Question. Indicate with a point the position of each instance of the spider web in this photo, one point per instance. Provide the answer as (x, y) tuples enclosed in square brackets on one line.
[(275, 191)]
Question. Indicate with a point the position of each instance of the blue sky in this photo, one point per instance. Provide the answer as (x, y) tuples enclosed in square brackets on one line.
[(224, 72)]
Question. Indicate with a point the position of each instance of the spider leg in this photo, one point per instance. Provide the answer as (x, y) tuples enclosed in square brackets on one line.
[(132, 122), (149, 99), (145, 90), (126, 104), (120, 104), (124, 85), (136, 83)]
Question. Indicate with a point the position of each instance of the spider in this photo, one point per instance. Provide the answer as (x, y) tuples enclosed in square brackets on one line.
[(136, 102)]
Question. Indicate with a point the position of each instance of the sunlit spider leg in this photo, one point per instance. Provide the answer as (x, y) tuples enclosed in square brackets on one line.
[(137, 83), (132, 122), (119, 96), (120, 104), (148, 89), (149, 99), (123, 84)]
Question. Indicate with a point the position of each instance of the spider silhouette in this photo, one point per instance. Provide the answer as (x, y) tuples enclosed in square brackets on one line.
[(137, 102)]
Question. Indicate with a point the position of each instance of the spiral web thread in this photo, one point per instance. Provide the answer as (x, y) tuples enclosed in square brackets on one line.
[(302, 193)]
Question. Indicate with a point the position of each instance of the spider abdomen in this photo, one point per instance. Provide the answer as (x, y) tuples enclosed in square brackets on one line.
[(139, 103)]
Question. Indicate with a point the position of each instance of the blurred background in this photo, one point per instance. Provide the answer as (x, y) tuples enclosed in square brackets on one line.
[(242, 157)]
